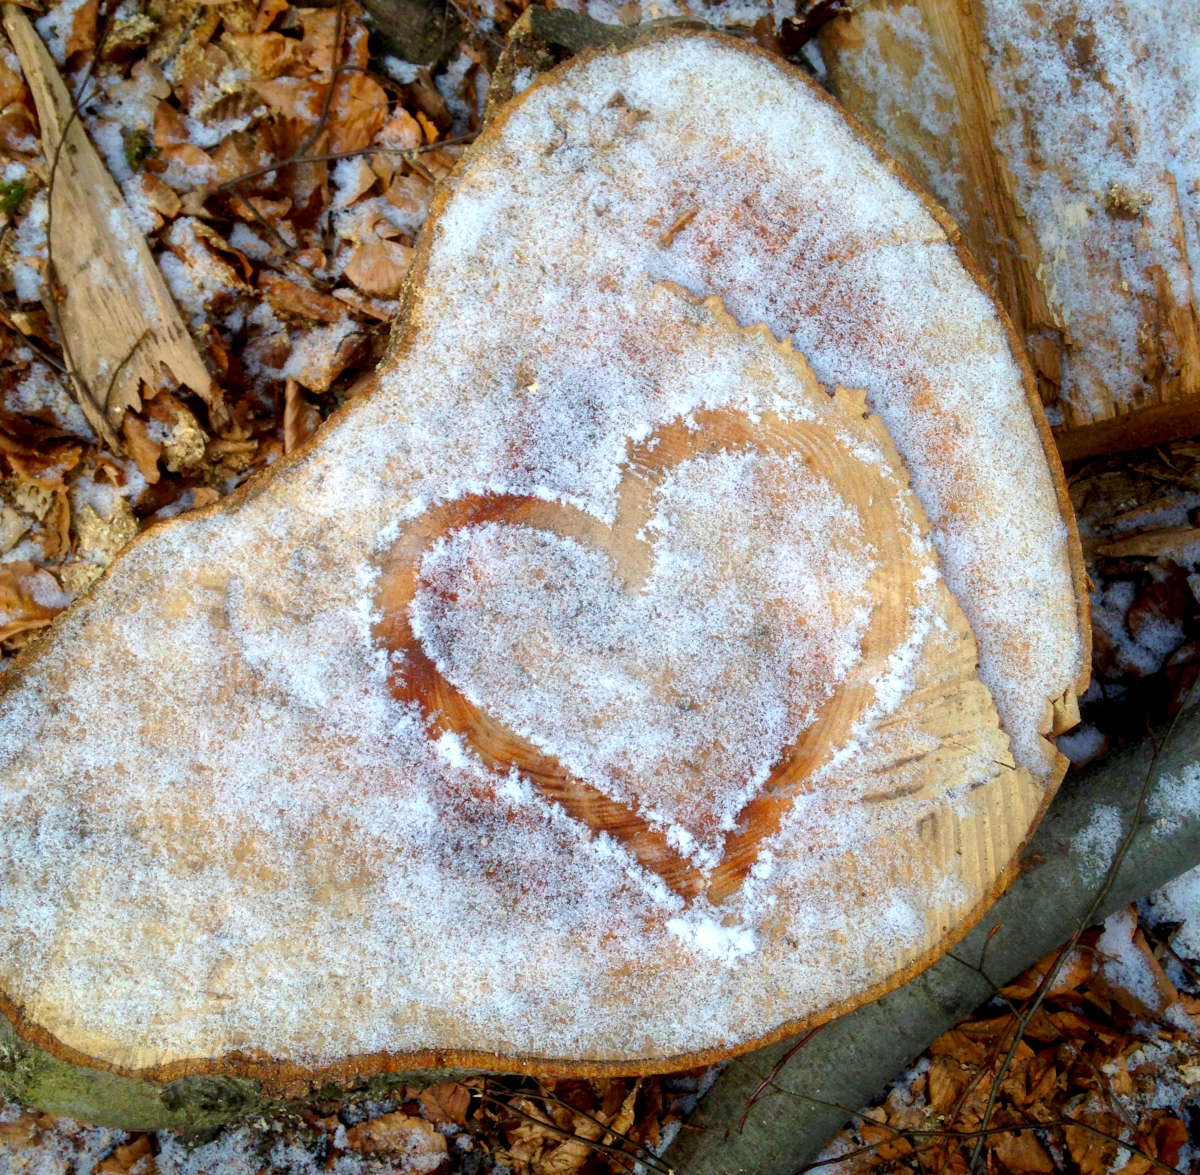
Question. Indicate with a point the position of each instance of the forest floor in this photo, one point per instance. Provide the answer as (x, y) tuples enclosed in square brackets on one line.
[(279, 159)]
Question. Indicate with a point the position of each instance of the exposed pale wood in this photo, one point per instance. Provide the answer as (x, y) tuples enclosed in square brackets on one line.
[(994, 228), (845, 1064), (259, 754), (849, 1061), (952, 707), (121, 330), (926, 75), (1152, 544)]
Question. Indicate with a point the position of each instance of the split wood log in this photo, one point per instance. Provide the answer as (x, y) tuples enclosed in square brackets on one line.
[(121, 329), (1064, 141), (633, 690)]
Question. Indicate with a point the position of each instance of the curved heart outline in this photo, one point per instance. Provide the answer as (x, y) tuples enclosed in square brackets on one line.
[(415, 678)]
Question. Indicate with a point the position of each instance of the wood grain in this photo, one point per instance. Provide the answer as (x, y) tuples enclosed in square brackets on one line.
[(931, 77)]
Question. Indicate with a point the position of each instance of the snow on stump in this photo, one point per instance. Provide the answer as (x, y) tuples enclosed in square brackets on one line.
[(1065, 142), (663, 658)]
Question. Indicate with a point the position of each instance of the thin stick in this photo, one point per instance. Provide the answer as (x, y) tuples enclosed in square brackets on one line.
[(333, 156), (981, 1133), (559, 1132), (770, 1077), (653, 1159)]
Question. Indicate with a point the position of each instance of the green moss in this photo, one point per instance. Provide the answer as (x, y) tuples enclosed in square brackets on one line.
[(40, 1081), (11, 195), (138, 147), (34, 1078)]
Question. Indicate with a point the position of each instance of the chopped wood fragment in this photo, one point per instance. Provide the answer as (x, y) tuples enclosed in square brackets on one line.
[(119, 325), (1155, 544)]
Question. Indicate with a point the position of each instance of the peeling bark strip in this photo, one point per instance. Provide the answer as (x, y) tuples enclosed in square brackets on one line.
[(1064, 140), (119, 325), (597, 532)]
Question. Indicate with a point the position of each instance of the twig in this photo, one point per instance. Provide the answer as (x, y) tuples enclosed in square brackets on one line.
[(770, 1077), (333, 156), (981, 1133), (335, 71), (297, 156), (39, 348), (1017, 1128), (652, 1160), (1191, 972), (558, 1131)]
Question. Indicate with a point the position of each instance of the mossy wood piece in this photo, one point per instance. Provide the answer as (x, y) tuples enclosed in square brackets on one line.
[(39, 1080), (665, 656)]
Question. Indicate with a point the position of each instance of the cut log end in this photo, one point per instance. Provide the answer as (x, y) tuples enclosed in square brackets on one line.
[(636, 693)]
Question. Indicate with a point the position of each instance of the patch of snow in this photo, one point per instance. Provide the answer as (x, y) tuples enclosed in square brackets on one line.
[(1096, 845), (1179, 901)]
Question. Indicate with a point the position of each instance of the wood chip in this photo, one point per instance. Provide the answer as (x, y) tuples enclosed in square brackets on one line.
[(300, 419), (118, 321), (1171, 543)]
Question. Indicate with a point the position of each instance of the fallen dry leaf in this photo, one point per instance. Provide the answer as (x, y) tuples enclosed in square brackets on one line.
[(447, 1103), (1130, 975), (144, 450), (1092, 1154), (360, 108), (401, 132), (134, 1158), (1077, 968), (289, 297), (81, 40), (323, 353), (1022, 1154), (379, 267), (300, 419), (413, 1140), (265, 55), (355, 180), (948, 1080), (29, 598)]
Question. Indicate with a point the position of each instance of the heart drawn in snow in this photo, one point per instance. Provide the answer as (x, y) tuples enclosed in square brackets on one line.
[(672, 679)]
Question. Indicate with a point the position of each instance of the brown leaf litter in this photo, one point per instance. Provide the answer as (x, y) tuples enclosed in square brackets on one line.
[(1105, 1080)]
